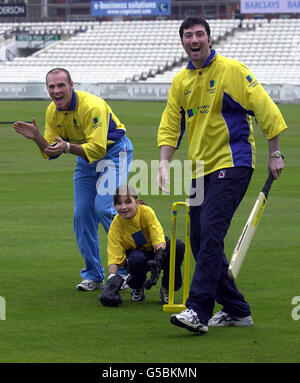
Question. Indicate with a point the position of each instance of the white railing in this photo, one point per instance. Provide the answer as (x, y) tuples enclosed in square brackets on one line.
[(280, 93)]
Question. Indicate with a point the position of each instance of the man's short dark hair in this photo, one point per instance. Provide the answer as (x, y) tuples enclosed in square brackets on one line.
[(189, 22), (57, 70)]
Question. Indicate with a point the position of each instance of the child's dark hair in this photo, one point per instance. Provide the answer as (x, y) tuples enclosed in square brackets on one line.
[(128, 191)]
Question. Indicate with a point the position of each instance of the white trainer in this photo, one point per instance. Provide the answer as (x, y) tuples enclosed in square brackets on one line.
[(124, 285), (189, 319), (89, 285), (222, 319), (137, 295)]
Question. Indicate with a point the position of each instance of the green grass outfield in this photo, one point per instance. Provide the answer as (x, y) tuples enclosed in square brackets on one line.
[(48, 320)]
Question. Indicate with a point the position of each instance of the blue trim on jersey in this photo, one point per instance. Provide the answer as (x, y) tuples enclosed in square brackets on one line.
[(235, 117), (113, 133), (190, 65), (182, 126), (73, 103)]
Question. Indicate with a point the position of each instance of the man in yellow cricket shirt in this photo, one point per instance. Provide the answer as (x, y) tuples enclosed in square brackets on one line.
[(84, 125), (213, 98)]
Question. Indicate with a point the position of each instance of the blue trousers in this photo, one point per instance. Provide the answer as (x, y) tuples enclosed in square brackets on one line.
[(94, 187), (137, 266), (223, 191)]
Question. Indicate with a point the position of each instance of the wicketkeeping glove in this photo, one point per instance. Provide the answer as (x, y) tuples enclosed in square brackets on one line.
[(110, 295), (155, 266)]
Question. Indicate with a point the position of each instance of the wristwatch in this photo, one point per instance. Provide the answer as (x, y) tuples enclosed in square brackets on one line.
[(67, 150), (276, 154)]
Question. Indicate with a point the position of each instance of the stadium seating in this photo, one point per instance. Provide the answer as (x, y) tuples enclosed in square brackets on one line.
[(150, 51), (269, 49)]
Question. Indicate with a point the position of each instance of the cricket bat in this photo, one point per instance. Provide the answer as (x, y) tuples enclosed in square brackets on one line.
[(245, 239)]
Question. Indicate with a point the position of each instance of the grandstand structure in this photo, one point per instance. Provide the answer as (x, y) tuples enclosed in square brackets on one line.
[(143, 51), (271, 49)]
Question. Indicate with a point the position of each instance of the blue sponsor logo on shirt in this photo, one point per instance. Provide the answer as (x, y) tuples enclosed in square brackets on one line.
[(212, 87), (76, 126), (191, 112), (251, 81)]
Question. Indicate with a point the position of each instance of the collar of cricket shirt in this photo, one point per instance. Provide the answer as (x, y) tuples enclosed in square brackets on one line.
[(73, 102), (207, 62)]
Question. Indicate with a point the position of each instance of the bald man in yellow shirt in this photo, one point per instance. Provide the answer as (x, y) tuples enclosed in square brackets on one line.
[(82, 124)]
